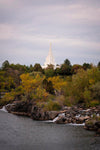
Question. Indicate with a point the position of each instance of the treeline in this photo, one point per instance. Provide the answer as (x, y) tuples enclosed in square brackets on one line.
[(51, 88)]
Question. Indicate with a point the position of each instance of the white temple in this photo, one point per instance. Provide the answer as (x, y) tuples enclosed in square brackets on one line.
[(49, 59)]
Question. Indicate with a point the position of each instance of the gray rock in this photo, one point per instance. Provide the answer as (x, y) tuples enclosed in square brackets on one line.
[(61, 120)]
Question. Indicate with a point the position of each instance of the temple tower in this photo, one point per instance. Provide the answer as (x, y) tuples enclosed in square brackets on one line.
[(49, 59)]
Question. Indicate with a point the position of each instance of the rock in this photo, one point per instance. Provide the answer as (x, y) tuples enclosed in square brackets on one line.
[(61, 120), (75, 114), (90, 124), (10, 107), (38, 114), (19, 107), (82, 119), (97, 124), (52, 114), (21, 114), (93, 124), (31, 109), (98, 131)]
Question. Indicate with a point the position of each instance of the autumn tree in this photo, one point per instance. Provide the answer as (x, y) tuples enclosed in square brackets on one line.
[(58, 83), (32, 86)]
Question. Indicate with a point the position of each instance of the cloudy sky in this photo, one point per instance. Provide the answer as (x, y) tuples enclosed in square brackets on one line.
[(28, 26)]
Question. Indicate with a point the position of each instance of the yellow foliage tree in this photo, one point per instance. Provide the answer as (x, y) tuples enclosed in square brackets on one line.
[(32, 86), (58, 83)]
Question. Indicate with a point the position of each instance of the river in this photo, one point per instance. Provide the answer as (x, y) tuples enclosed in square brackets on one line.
[(22, 133)]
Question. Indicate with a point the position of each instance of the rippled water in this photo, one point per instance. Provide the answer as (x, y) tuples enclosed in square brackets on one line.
[(22, 133)]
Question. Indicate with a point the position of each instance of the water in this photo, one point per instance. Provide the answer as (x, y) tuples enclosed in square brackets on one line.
[(3, 109), (22, 133)]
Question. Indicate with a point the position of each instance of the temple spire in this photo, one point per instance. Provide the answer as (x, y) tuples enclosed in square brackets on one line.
[(49, 59)]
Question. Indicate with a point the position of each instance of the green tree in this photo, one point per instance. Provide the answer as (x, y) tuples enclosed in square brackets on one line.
[(95, 90), (75, 68), (5, 65), (48, 86), (31, 68), (66, 68), (37, 67), (67, 62), (86, 66), (49, 72), (98, 65), (58, 71)]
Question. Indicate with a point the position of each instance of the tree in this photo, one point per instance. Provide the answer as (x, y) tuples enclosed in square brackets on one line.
[(48, 86), (57, 71), (5, 65), (75, 68), (66, 68), (37, 67), (79, 83), (98, 65), (50, 66), (96, 91), (31, 68), (86, 66), (49, 72), (32, 87), (58, 84), (67, 62)]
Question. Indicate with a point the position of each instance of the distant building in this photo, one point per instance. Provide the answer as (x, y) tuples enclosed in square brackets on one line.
[(49, 60)]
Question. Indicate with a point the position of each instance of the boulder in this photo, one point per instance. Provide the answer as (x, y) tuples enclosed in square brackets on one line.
[(82, 119), (61, 120), (93, 124), (19, 107), (97, 124), (52, 114), (90, 125), (98, 131), (38, 114)]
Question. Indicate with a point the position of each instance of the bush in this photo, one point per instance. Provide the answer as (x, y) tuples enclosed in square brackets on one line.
[(8, 97), (96, 91), (94, 103), (69, 101), (61, 100), (52, 105), (87, 97)]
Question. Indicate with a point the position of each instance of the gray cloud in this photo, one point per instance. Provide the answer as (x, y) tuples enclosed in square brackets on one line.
[(27, 28)]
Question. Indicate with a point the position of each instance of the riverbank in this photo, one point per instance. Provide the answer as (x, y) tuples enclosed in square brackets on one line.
[(74, 115)]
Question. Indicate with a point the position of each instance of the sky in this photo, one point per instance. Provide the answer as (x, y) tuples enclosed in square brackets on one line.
[(27, 27)]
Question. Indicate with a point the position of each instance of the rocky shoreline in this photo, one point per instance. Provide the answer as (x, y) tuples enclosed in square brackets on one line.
[(75, 114)]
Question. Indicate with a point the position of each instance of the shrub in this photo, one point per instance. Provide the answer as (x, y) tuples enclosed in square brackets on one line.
[(60, 99), (87, 97), (52, 105), (94, 103), (69, 101), (96, 91), (7, 98)]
